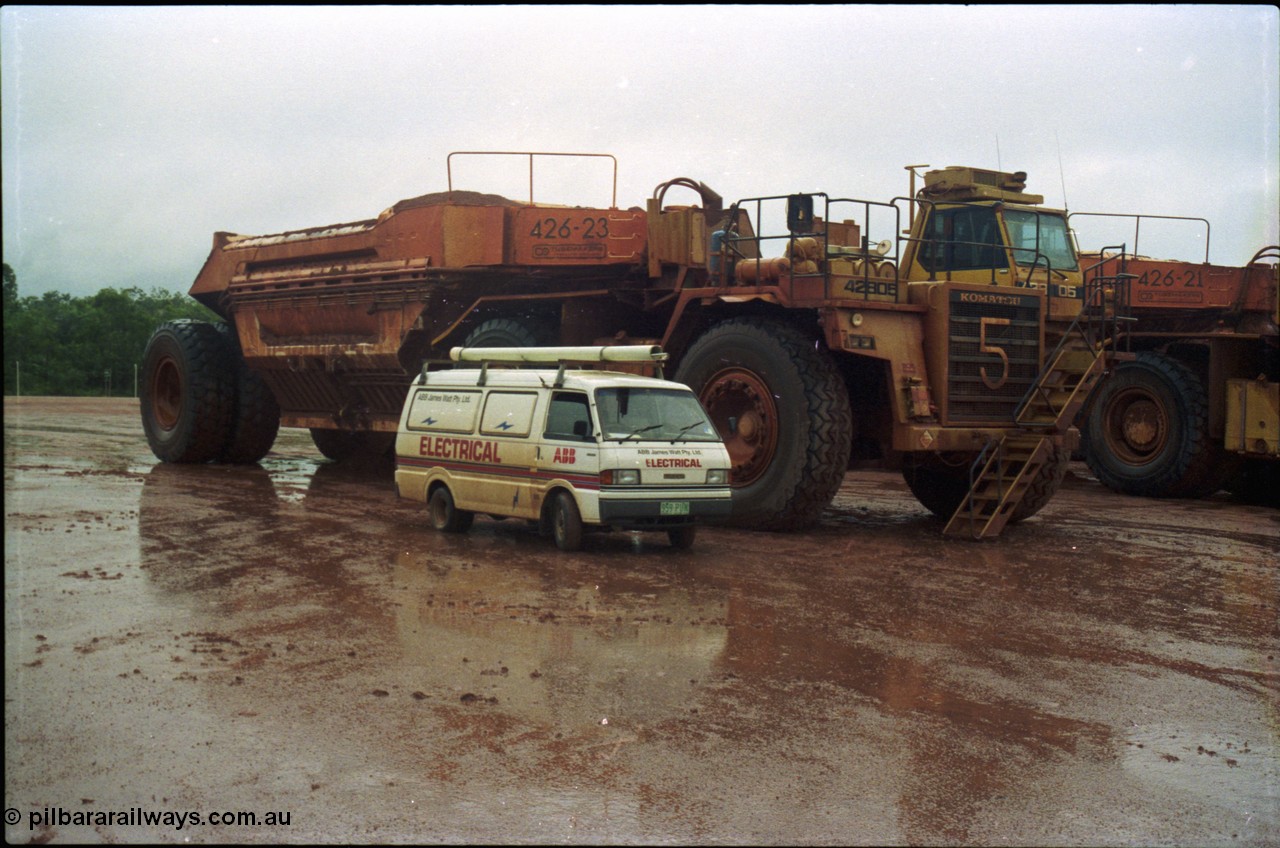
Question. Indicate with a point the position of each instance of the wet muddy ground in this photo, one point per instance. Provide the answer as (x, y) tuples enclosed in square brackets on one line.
[(293, 640)]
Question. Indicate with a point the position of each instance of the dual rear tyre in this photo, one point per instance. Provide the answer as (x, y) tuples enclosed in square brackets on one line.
[(199, 401)]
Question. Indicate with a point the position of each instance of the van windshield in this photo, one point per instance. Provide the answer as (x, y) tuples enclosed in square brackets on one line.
[(653, 415)]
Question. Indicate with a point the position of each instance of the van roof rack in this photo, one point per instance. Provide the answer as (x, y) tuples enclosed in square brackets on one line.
[(560, 356)]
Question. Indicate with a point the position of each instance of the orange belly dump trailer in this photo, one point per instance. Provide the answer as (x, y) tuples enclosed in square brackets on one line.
[(1195, 407), (928, 345)]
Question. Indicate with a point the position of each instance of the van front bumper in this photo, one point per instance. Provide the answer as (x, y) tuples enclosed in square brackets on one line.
[(660, 511)]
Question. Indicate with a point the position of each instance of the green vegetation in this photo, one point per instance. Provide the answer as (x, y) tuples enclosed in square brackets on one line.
[(57, 344)]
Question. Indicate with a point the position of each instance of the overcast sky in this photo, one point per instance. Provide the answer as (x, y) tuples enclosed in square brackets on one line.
[(131, 135)]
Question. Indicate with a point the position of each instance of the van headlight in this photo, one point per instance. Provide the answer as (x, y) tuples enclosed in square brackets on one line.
[(717, 476), (620, 477)]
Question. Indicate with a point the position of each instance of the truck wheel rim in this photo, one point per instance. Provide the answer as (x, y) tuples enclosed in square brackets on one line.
[(1138, 429), (166, 393), (741, 395)]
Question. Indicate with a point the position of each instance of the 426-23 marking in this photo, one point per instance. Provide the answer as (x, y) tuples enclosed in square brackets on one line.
[(1188, 278), (568, 228)]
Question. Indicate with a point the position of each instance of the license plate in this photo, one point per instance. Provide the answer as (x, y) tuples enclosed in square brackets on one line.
[(673, 508)]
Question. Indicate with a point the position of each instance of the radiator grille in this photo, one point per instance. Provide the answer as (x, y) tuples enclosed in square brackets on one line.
[(1012, 326)]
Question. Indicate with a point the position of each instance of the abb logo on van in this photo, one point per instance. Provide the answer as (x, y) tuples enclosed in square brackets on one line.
[(566, 456)]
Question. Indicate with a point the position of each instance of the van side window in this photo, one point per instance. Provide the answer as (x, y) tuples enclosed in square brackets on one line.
[(447, 410), (569, 417), (508, 414)]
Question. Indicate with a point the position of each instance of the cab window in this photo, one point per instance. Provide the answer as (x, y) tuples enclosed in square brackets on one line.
[(963, 239), (1039, 240), (569, 417)]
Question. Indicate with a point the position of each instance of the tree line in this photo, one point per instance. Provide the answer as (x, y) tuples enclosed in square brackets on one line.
[(56, 344)]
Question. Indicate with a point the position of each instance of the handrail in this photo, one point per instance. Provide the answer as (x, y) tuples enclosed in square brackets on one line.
[(1137, 225)]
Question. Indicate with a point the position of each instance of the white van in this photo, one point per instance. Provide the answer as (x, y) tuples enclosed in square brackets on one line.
[(564, 448)]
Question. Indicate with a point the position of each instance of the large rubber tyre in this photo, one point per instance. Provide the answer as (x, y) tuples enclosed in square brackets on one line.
[(1045, 486), (1256, 481), (941, 483), (445, 516), (255, 422), (682, 538), (1147, 432), (187, 392), (511, 332), (790, 447), (354, 446), (566, 522)]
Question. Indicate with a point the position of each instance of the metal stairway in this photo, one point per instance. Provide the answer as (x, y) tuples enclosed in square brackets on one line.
[(1007, 467)]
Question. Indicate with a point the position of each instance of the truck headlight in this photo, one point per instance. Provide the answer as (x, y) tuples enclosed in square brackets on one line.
[(620, 477), (717, 476)]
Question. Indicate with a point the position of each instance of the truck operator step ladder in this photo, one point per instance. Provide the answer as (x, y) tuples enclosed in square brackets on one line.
[(1005, 470)]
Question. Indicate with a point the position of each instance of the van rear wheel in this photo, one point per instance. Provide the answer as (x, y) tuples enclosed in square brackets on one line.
[(445, 516), (566, 523)]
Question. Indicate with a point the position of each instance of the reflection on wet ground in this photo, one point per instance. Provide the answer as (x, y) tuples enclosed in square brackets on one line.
[(294, 637)]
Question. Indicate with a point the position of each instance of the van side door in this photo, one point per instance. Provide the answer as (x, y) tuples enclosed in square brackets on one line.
[(569, 450)]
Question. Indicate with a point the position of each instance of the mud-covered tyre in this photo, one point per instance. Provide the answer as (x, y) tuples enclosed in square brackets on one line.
[(256, 419), (941, 483), (1256, 481), (791, 428), (1045, 486), (938, 481), (187, 392), (1147, 432), (682, 538), (511, 332), (444, 515), (566, 522), (354, 445)]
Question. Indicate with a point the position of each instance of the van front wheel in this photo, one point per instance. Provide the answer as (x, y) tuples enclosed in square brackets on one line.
[(566, 523), (445, 516)]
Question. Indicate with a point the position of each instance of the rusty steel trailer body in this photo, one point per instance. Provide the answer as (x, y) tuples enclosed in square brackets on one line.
[(835, 348), (1196, 407)]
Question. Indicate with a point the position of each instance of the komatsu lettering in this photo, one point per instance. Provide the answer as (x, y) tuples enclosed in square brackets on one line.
[(441, 447), (673, 463), (998, 299)]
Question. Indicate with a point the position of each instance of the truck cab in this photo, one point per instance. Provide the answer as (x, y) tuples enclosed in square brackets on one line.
[(979, 226)]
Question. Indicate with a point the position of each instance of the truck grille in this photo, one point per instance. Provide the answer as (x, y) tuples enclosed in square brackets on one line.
[(1012, 325)]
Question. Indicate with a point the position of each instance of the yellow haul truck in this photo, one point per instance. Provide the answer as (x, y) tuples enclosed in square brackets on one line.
[(949, 333)]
